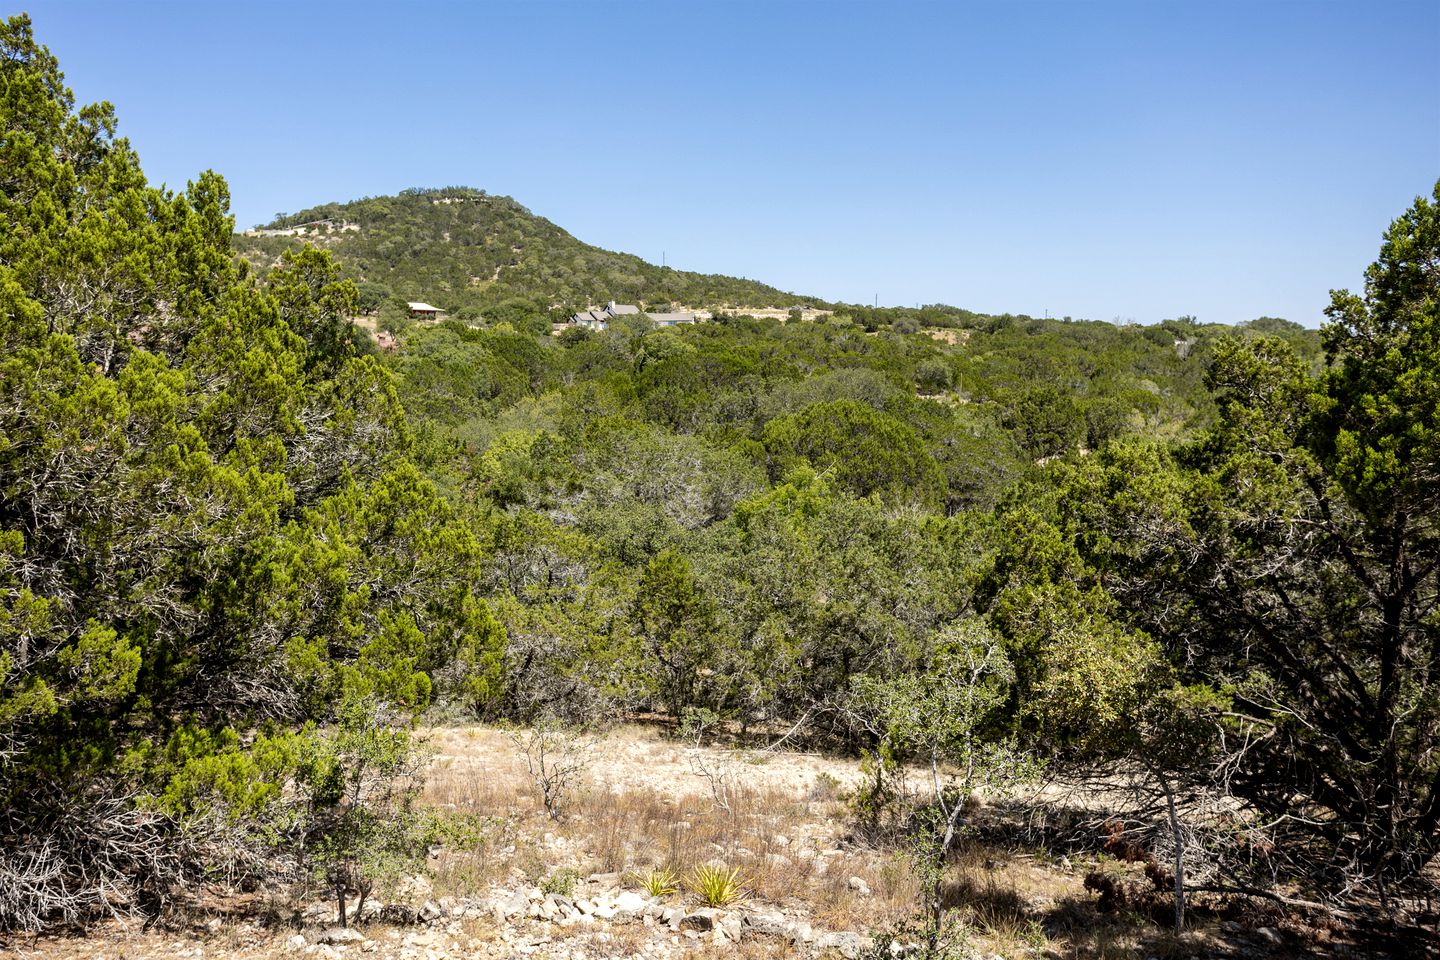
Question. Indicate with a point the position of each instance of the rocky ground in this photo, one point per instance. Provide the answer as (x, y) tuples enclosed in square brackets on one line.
[(571, 886)]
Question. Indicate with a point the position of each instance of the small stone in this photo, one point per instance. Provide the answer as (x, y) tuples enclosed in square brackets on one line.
[(770, 924), (702, 920), (296, 942), (859, 885), (846, 944), (1269, 935), (340, 935), (630, 902), (399, 914), (514, 906), (733, 926)]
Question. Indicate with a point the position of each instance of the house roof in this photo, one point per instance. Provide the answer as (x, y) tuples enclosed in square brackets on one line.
[(668, 318), (422, 307), (621, 309)]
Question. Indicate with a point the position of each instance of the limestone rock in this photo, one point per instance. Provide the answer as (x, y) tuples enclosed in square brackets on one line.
[(701, 921), (630, 903), (846, 944), (768, 924), (340, 935), (513, 906), (399, 914)]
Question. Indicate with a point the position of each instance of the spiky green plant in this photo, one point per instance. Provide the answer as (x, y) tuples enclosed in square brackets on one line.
[(658, 881), (717, 886)]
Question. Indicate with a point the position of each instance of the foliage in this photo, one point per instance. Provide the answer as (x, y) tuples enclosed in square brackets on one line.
[(480, 255), (658, 882), (560, 882), (212, 539), (717, 886), (941, 720), (242, 552), (1286, 556)]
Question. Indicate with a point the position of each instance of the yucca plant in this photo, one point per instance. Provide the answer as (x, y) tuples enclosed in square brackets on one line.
[(658, 881), (717, 886)]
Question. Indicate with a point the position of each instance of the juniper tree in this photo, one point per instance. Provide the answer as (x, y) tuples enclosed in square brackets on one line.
[(209, 523)]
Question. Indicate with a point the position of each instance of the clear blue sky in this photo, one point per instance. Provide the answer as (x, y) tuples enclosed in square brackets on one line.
[(1137, 160)]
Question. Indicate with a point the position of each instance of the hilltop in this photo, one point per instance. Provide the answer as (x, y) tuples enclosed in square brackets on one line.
[(472, 254)]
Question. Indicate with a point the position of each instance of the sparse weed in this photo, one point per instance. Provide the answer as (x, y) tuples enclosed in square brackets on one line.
[(825, 788), (562, 881)]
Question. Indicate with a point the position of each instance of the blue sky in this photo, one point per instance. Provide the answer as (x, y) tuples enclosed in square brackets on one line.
[(1101, 160)]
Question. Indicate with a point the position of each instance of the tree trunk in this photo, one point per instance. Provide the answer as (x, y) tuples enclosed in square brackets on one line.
[(340, 902), (1178, 840), (937, 881)]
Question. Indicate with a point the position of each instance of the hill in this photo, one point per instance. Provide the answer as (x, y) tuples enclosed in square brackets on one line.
[(474, 255)]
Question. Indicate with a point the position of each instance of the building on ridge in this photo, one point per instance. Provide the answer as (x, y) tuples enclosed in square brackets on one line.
[(599, 318)]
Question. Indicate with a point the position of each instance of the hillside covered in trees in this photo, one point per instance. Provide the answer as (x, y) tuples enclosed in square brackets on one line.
[(476, 255), (244, 556)]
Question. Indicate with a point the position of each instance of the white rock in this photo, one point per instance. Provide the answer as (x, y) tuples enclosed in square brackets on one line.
[(846, 944), (628, 901)]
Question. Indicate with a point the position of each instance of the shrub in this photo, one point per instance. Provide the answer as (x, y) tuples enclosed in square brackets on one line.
[(658, 882), (717, 886), (562, 881)]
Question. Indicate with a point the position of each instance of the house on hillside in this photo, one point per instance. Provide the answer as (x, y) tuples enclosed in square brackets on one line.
[(599, 318), (423, 311), (591, 319)]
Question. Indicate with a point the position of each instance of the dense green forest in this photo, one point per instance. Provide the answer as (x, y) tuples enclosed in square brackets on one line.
[(243, 554)]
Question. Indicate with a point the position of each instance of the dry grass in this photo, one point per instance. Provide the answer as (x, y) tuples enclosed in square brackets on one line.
[(772, 834), (783, 827)]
